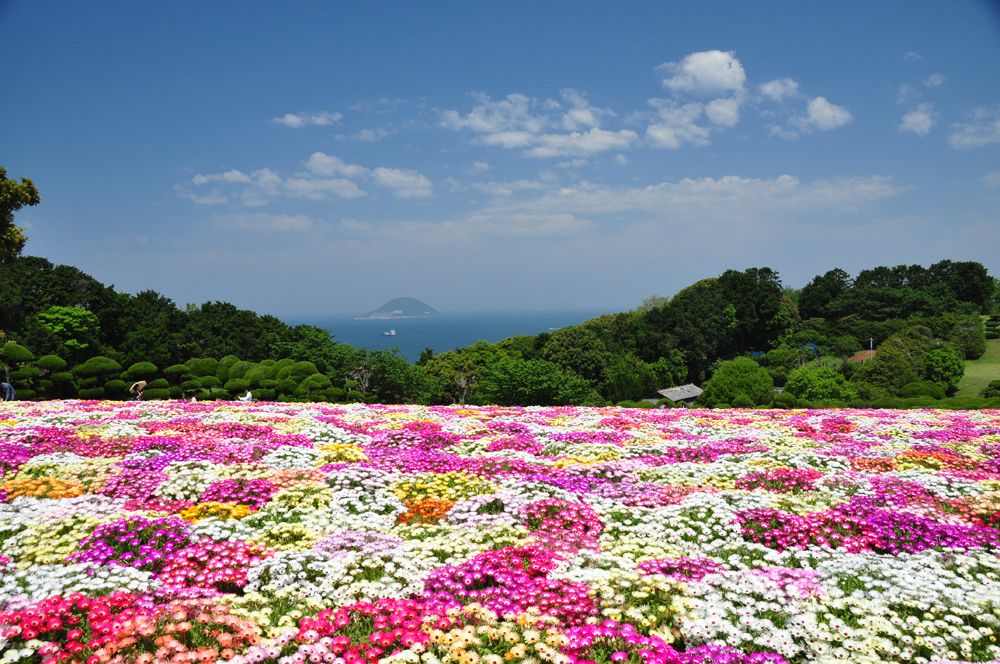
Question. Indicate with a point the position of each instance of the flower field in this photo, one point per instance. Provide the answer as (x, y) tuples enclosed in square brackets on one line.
[(356, 534)]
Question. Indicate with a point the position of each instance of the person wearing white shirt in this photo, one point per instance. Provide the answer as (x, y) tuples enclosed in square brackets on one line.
[(247, 396)]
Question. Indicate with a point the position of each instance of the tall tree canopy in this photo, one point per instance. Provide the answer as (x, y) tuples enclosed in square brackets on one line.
[(13, 197)]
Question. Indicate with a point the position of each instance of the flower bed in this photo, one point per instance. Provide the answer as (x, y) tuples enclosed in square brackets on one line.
[(292, 533)]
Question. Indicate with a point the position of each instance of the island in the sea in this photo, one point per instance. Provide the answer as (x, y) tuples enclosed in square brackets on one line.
[(403, 307)]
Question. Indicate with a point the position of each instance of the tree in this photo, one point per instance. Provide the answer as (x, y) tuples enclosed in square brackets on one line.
[(739, 376), (464, 384), (517, 382), (13, 355), (578, 349), (945, 368), (13, 197), (75, 328), (629, 379), (819, 384)]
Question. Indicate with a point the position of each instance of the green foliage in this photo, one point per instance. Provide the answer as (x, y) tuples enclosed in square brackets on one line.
[(579, 350), (924, 388), (513, 381), (97, 366), (819, 384), (156, 394), (75, 328), (92, 393), (990, 391), (177, 373), (945, 368), (742, 401), (115, 389), (191, 385), (739, 376), (13, 197), (301, 370), (239, 370), (158, 384), (316, 383), (665, 403), (142, 371), (286, 386), (268, 384), (61, 377), (13, 353), (50, 363), (208, 381), (969, 339), (785, 400), (236, 386), (897, 362), (204, 367), (629, 378)]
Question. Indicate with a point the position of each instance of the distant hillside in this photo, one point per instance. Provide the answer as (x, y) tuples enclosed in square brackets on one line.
[(403, 307)]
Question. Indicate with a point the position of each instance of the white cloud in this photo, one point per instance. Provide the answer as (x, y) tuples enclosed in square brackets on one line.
[(708, 72), (906, 92), (302, 119), (585, 144), (227, 177), (506, 188), (479, 166), (621, 160), (919, 121), (730, 197), (725, 112), (984, 129), (328, 165), (779, 89), (911, 55), (991, 179), (574, 163), (366, 135), (933, 81), (491, 117), (521, 122), (582, 114), (214, 197), (676, 125), (405, 184), (317, 189), (822, 115)]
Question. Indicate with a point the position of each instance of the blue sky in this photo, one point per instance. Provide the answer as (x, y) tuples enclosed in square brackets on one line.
[(322, 158)]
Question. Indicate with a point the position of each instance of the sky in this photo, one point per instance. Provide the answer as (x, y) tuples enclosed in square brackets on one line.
[(305, 159)]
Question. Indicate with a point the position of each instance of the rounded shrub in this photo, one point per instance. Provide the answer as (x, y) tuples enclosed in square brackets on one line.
[(264, 394), (645, 404), (92, 393), (354, 395), (175, 392), (26, 394), (665, 403), (158, 384), (785, 400), (922, 388), (204, 367), (209, 381), (287, 386), (13, 353), (50, 363), (739, 376), (742, 401), (142, 370), (268, 384), (155, 394), (97, 366), (889, 403), (61, 377), (236, 385), (239, 370), (177, 373), (115, 389), (191, 385)]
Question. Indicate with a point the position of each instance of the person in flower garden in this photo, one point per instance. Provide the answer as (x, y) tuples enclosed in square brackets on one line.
[(7, 392), (247, 396), (373, 534)]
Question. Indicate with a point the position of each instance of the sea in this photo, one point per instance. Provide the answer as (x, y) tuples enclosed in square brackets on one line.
[(440, 333)]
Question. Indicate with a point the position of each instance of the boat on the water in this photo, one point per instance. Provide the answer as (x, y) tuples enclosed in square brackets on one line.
[(390, 333)]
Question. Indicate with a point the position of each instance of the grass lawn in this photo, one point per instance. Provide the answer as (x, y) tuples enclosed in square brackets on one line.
[(979, 373)]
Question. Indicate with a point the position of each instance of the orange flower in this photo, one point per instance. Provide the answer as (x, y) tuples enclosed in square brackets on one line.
[(426, 510)]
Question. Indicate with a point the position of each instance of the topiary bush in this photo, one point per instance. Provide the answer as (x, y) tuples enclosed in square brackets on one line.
[(115, 389), (92, 393), (209, 381), (665, 403), (204, 367), (236, 385), (739, 376), (819, 384), (990, 391), (155, 394), (142, 371), (785, 400), (742, 401), (50, 363), (158, 384), (924, 388)]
